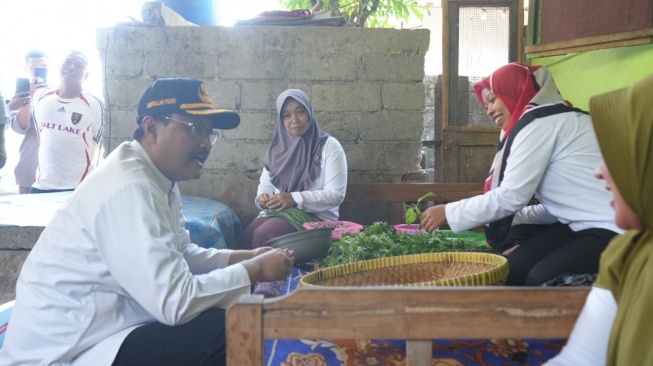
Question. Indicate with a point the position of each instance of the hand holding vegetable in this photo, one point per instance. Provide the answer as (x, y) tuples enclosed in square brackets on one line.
[(263, 199), (258, 251), (281, 201), (270, 265), (434, 217), (293, 215)]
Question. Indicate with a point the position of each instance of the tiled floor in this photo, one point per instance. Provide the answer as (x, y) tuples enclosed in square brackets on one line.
[(7, 180)]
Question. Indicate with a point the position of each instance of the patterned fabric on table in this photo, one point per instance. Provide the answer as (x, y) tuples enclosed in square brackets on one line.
[(211, 224), (363, 352)]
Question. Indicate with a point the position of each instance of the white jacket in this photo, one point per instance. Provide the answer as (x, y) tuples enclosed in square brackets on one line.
[(553, 158), (114, 257), (326, 194)]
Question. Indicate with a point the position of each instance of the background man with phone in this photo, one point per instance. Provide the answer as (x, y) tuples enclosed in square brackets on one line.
[(69, 124), (19, 106)]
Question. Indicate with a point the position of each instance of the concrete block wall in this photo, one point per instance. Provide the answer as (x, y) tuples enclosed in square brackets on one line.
[(366, 86)]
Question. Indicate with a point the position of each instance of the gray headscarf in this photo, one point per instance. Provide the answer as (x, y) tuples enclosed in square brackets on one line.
[(294, 161)]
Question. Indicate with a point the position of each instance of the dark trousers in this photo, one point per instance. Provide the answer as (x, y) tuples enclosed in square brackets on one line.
[(262, 230), (199, 342), (555, 250), (517, 235)]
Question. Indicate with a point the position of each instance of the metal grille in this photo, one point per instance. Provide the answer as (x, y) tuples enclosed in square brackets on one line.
[(482, 39)]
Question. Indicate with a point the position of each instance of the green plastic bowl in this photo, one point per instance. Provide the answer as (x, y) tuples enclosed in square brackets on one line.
[(308, 244)]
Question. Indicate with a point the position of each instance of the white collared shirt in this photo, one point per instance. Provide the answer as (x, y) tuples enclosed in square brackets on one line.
[(114, 257), (324, 196), (553, 158)]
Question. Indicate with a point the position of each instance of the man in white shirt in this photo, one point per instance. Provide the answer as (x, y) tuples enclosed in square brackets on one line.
[(114, 278), (69, 123)]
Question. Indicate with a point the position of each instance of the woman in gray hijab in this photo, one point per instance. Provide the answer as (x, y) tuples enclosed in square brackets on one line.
[(304, 167)]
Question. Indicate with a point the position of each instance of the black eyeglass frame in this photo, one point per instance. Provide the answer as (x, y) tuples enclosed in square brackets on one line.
[(196, 131)]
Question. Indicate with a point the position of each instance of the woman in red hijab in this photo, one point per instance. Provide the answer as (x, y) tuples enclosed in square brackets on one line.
[(547, 151)]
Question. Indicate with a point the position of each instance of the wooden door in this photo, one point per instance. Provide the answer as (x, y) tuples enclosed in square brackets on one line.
[(479, 36), (467, 153)]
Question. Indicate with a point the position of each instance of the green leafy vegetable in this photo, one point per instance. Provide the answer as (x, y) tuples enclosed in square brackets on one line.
[(380, 240), (413, 211), (293, 215)]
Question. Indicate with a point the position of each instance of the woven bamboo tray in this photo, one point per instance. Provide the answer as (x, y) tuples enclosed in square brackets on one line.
[(429, 269)]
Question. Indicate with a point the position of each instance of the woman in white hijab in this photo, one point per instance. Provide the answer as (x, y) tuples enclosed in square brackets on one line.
[(304, 167)]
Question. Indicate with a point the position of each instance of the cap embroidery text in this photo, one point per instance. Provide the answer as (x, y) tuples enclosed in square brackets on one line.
[(156, 103)]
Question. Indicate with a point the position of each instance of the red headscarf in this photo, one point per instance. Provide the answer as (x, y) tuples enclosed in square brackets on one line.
[(514, 85), (520, 87)]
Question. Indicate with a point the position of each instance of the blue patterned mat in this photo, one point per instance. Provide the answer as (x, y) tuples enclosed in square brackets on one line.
[(360, 352), (211, 224)]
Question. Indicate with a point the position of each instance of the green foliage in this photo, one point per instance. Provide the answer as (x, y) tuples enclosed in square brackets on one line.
[(380, 241), (413, 211), (293, 215), (365, 13)]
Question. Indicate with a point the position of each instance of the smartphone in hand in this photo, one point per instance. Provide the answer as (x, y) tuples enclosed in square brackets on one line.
[(41, 74), (22, 85)]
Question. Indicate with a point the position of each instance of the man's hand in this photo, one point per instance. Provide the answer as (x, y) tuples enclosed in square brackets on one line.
[(434, 217), (258, 251), (35, 85), (19, 100), (269, 264), (281, 201)]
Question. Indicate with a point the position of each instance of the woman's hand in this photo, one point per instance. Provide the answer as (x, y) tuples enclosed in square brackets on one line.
[(281, 201), (263, 199), (509, 251), (434, 217)]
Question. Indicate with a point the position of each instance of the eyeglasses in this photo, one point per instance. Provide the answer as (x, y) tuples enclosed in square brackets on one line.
[(198, 132)]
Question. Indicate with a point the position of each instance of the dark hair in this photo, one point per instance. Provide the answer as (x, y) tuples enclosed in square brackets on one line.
[(34, 54), (139, 133)]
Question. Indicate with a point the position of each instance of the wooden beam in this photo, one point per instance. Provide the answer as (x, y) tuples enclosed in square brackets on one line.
[(424, 313), (245, 331), (630, 38)]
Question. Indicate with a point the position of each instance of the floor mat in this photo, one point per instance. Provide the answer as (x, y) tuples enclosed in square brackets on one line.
[(380, 352)]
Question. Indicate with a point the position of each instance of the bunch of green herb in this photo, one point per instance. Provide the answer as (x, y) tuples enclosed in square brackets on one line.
[(413, 211), (380, 240), (293, 215)]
